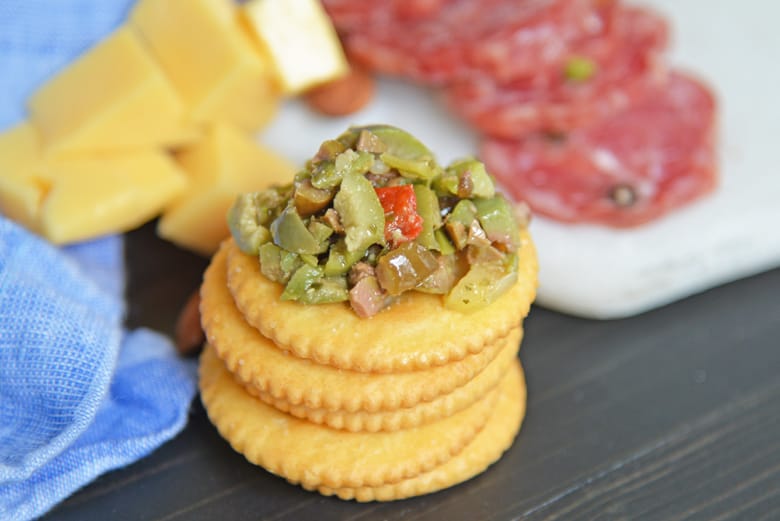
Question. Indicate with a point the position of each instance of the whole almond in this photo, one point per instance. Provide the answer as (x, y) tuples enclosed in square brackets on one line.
[(343, 96), (189, 335)]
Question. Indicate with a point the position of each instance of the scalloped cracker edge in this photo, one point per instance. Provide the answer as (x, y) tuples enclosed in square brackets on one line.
[(484, 450), (317, 456)]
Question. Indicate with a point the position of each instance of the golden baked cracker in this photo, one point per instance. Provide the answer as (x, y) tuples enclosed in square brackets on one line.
[(259, 363), (317, 456), (415, 333), (485, 449), (406, 417)]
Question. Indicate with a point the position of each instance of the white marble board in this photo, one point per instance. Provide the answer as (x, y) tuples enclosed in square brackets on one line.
[(602, 273)]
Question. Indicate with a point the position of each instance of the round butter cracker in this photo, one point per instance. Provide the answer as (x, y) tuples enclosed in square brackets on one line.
[(317, 456), (283, 377), (484, 450), (405, 417), (415, 333)]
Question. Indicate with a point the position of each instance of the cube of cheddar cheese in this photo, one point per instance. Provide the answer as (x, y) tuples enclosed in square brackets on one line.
[(299, 39), (104, 194), (113, 97), (21, 187), (212, 63), (225, 164)]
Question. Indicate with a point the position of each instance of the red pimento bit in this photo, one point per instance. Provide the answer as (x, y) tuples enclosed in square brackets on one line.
[(402, 222)]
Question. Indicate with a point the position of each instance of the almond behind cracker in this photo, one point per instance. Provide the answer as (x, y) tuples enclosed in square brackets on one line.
[(342, 96)]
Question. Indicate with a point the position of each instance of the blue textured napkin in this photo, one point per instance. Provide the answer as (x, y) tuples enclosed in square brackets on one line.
[(79, 395)]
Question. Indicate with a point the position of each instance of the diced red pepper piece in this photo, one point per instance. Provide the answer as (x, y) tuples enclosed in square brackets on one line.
[(402, 222)]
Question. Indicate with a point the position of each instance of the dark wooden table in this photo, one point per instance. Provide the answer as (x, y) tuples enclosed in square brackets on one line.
[(674, 414)]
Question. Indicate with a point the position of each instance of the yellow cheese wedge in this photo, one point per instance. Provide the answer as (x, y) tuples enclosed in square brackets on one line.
[(21, 187), (211, 62), (224, 164), (113, 97), (299, 39), (112, 193)]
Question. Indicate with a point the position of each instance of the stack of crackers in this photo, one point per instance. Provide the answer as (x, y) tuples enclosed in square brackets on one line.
[(412, 400)]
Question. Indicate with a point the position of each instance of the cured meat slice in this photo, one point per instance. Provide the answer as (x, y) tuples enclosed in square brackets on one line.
[(504, 39), (627, 64), (622, 172)]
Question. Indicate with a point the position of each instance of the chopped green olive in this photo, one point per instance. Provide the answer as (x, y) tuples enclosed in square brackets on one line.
[(244, 223), (481, 285), (498, 220), (311, 260), (276, 264), (350, 137), (370, 142), (428, 209), (290, 232), (270, 202), (400, 143), (405, 267), (459, 222), (354, 163), (321, 233), (329, 150), (251, 213), (310, 285), (340, 259), (309, 199), (464, 212), (446, 183), (442, 280), (473, 179), (324, 176), (445, 244), (328, 174), (579, 69), (361, 213), (423, 169)]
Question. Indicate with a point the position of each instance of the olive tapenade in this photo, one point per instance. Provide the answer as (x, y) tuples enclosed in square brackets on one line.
[(372, 216)]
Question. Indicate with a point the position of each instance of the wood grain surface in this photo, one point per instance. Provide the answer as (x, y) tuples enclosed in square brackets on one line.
[(671, 415)]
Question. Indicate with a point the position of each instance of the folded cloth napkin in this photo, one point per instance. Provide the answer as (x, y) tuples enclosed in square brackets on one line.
[(79, 395)]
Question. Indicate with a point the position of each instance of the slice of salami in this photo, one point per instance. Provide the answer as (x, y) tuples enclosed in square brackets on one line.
[(504, 39), (622, 172), (621, 67)]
